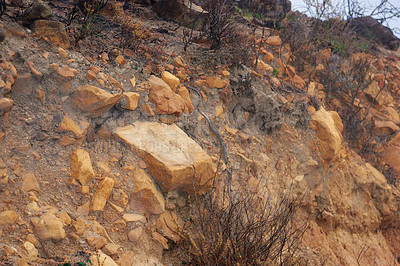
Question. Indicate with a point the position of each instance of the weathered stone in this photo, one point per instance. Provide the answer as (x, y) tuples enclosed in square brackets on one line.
[(102, 194), (81, 166), (101, 259), (172, 81), (120, 196), (64, 217), (133, 82), (268, 56), (373, 30), (90, 75), (167, 102), (38, 10), (30, 183), (135, 234), (8, 217), (182, 11), (111, 249), (157, 237), (34, 70), (392, 115), (179, 62), (6, 104), (145, 196), (173, 159), (94, 100), (48, 227), (66, 72), (274, 41), (184, 93), (216, 82), (219, 111), (328, 127), (392, 157), (147, 110), (132, 99), (395, 141), (31, 250), (97, 241), (133, 217), (375, 94), (67, 124), (126, 258), (31, 238), (62, 52), (120, 60), (385, 128), (167, 224)]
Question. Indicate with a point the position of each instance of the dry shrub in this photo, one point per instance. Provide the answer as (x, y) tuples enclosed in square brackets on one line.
[(3, 7), (219, 24), (83, 18), (247, 229), (132, 34)]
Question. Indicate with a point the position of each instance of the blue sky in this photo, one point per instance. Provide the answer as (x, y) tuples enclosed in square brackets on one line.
[(393, 23)]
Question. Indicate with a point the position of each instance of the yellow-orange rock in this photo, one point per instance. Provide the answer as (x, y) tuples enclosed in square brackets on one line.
[(171, 80), (274, 40), (329, 127), (81, 166), (120, 60), (132, 99), (392, 115), (395, 141), (30, 183), (298, 81), (91, 75), (101, 259), (6, 104), (66, 72), (8, 217), (48, 227), (179, 62), (380, 97), (184, 93), (145, 197), (268, 56), (94, 100), (263, 66), (385, 128), (68, 124), (102, 194), (62, 52), (55, 31), (173, 159), (216, 82), (167, 102), (168, 224), (391, 156), (133, 82)]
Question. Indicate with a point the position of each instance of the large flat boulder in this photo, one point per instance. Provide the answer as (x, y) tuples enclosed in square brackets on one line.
[(173, 159)]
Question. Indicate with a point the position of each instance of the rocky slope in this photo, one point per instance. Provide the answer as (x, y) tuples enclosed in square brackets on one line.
[(99, 153)]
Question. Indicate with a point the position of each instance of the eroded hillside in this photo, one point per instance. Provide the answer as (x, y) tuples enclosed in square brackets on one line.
[(102, 147)]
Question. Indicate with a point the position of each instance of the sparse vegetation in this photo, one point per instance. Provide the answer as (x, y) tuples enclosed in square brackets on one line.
[(219, 24), (83, 18), (249, 229)]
